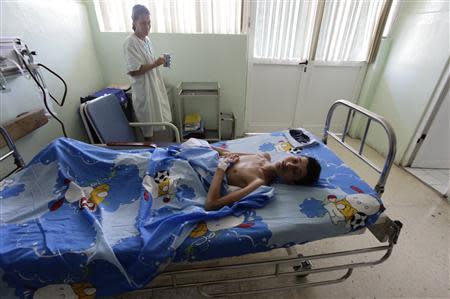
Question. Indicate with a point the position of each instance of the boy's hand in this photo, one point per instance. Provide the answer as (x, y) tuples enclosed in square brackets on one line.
[(226, 162), (231, 158), (227, 154)]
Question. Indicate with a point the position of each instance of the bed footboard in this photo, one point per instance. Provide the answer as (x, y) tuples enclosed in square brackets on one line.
[(371, 117)]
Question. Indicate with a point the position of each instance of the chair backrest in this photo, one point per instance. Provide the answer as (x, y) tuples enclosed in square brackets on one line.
[(87, 125), (108, 120)]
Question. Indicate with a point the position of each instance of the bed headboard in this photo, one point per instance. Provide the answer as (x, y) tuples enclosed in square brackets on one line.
[(370, 116)]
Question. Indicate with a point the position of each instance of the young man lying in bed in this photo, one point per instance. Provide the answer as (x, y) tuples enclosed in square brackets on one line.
[(249, 171)]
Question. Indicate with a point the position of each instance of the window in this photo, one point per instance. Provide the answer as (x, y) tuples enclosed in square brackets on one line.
[(173, 16), (347, 31), (285, 29)]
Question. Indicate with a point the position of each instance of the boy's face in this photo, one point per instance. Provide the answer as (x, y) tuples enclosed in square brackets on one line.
[(292, 169)]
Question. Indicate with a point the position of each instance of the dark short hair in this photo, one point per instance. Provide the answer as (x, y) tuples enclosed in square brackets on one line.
[(137, 11), (313, 170)]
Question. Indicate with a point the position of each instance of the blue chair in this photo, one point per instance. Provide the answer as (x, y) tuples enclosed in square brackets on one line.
[(105, 120)]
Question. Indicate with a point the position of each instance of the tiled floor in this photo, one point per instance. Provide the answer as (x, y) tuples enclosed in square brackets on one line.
[(417, 268), (438, 179)]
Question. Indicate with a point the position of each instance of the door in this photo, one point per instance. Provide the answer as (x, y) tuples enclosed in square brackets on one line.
[(273, 97), (304, 55), (435, 150), (279, 41), (321, 85)]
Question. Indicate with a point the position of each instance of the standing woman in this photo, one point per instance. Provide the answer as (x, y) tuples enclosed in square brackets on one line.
[(150, 101)]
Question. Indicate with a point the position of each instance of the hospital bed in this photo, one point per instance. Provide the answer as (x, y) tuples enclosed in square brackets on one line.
[(294, 264), (199, 258)]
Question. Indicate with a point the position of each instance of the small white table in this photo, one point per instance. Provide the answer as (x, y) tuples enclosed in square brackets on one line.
[(208, 91)]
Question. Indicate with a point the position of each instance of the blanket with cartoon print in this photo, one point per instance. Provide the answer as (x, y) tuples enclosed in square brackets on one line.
[(93, 221)]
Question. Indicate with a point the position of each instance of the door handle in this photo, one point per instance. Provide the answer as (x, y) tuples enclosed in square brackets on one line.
[(305, 63)]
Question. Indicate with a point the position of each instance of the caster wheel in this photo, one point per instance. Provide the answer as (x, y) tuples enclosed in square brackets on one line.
[(305, 265)]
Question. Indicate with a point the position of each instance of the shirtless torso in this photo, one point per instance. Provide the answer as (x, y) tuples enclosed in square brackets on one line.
[(246, 172), (249, 172), (248, 169)]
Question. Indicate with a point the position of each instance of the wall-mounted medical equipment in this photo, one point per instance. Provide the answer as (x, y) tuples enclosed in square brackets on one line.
[(17, 59), (10, 63)]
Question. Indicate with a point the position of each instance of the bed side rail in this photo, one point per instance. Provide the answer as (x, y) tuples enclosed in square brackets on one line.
[(12, 152), (182, 275), (392, 141)]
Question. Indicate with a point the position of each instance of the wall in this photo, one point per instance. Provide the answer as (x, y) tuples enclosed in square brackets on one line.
[(401, 82), (195, 57), (60, 33)]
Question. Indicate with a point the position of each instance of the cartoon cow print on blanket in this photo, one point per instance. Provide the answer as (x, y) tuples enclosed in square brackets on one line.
[(159, 186), (283, 146), (86, 197), (353, 209), (295, 150)]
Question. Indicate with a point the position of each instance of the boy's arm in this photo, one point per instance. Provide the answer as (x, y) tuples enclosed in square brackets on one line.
[(223, 152), (214, 201)]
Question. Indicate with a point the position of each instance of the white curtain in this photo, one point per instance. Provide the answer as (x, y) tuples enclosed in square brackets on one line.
[(173, 16), (348, 30), (284, 29)]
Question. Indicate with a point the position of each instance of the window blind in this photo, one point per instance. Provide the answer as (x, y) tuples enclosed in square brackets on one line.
[(173, 16)]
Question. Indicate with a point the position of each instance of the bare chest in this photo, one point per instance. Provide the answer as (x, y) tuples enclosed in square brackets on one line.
[(246, 170)]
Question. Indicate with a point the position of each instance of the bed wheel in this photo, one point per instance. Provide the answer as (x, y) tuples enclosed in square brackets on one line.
[(305, 265)]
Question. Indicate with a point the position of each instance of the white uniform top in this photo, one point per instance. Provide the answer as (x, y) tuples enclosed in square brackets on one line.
[(150, 101)]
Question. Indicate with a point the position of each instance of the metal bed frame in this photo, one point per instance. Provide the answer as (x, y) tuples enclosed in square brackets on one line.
[(385, 230)]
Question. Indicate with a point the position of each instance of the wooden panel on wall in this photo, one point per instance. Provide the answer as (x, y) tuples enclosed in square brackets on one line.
[(24, 124)]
